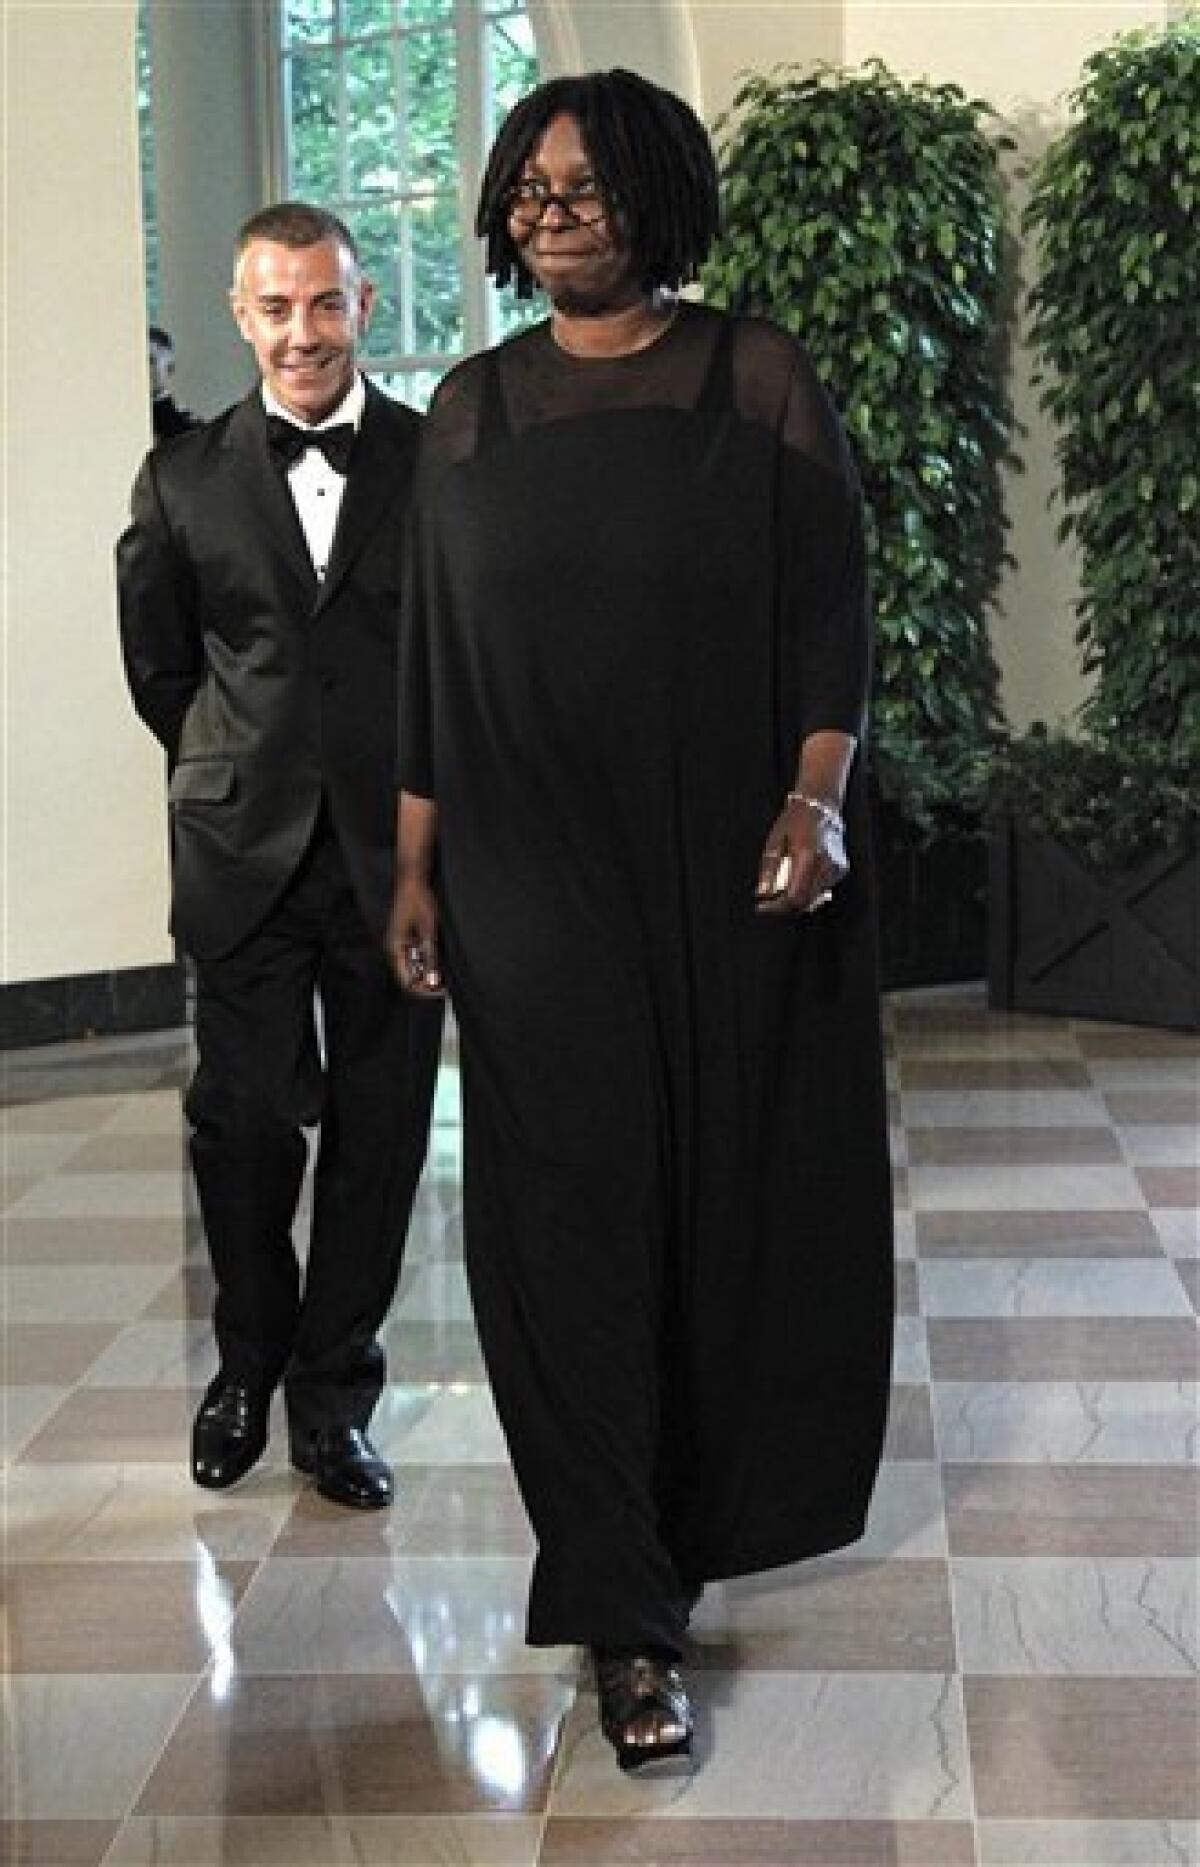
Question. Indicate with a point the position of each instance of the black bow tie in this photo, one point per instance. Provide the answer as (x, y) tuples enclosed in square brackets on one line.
[(288, 442)]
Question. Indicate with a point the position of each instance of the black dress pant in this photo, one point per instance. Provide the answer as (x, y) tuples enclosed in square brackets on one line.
[(260, 1081)]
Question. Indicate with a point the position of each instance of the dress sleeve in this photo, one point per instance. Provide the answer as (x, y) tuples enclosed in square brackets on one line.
[(448, 435), (824, 591)]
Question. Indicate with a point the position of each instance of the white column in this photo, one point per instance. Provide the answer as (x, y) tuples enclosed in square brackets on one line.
[(83, 863)]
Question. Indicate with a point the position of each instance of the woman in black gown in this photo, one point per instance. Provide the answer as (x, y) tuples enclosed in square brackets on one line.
[(632, 840)]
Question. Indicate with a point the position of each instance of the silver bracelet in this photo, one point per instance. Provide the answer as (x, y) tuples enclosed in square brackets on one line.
[(828, 813)]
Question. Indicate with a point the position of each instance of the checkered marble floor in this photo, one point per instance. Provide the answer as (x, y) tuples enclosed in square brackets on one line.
[(1001, 1674)]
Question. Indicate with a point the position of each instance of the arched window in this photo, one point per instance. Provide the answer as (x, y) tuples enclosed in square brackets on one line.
[(386, 112)]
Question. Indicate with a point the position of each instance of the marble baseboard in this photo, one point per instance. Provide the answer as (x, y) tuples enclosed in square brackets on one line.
[(98, 1004)]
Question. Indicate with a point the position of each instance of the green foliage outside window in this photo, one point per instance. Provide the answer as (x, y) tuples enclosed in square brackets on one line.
[(866, 214), (372, 109), (146, 153), (1114, 211)]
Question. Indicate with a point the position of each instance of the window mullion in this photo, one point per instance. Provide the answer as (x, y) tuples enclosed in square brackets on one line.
[(469, 29)]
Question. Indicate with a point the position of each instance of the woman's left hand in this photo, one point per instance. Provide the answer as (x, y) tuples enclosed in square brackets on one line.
[(803, 860)]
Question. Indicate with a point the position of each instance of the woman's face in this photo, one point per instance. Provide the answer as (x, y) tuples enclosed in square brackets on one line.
[(576, 252)]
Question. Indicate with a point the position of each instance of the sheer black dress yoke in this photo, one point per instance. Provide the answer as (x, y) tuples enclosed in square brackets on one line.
[(637, 585)]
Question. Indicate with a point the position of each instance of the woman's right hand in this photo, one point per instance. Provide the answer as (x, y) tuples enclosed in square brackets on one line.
[(412, 938)]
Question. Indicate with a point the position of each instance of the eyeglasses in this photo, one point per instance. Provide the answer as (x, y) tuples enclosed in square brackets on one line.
[(583, 202)]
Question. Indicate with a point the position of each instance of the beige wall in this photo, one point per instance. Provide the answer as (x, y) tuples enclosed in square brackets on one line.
[(83, 865)]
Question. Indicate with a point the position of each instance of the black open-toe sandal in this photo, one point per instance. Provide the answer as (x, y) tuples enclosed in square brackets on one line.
[(634, 1687)]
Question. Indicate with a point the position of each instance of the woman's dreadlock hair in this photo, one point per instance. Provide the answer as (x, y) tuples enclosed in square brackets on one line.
[(652, 158)]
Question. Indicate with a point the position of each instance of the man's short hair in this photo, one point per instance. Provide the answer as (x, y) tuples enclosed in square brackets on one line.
[(294, 224), (161, 340)]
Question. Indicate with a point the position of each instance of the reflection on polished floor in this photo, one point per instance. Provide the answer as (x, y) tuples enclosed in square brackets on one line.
[(1003, 1672)]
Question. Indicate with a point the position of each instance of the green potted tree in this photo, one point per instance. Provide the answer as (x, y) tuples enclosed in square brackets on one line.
[(866, 214), (1094, 896)]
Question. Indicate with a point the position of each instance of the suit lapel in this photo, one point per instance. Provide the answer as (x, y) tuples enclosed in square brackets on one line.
[(370, 484), (267, 493)]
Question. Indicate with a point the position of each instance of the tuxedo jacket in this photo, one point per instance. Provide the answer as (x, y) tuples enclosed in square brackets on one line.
[(270, 691)]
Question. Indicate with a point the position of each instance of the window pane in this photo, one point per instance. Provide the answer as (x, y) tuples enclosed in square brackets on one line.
[(375, 231), (373, 151), (509, 314), (307, 21), (415, 387), (314, 125), (437, 320), (431, 107), (512, 65), (360, 17), (423, 12)]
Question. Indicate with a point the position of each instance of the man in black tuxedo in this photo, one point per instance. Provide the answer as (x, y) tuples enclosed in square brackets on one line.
[(259, 596)]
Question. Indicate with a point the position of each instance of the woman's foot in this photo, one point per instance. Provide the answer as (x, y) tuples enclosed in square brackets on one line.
[(645, 1712)]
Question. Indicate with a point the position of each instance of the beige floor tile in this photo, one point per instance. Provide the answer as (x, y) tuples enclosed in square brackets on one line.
[(1069, 1510), (980, 1146), (372, 1746), (834, 1615), (114, 1426), (433, 1351), (579, 1841), (33, 1156), (1067, 1422), (94, 1240), (24, 1411), (1077, 1615), (1084, 1749), (1046, 1348), (58, 1293), (62, 1114), (1188, 1272), (1012, 1074), (1172, 1186), (1089, 1844), (333, 1840), (50, 1353), (789, 1746), (157, 1354), (120, 1151), (127, 1195), (188, 1296), (1002, 1108), (1124, 1233), (1001, 1185), (55, 1844), (430, 1615), (1050, 1287), (1112, 1040), (906, 1517), (440, 1510), (139, 1513), (119, 1617), (1128, 1107), (68, 1754), (910, 1424)]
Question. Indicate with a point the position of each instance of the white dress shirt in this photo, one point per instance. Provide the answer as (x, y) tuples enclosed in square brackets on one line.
[(317, 487)]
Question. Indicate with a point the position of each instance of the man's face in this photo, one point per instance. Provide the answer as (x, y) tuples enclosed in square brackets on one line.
[(162, 368), (302, 310)]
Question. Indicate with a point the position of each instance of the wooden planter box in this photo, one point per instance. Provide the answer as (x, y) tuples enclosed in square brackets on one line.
[(1068, 939), (932, 906)]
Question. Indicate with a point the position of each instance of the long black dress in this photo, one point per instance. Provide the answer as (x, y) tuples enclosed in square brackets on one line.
[(637, 584)]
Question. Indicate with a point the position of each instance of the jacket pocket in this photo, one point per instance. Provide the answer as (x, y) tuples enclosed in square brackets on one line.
[(202, 781)]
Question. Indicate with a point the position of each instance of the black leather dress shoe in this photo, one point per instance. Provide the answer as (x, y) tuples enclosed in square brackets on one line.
[(229, 1433), (346, 1467)]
